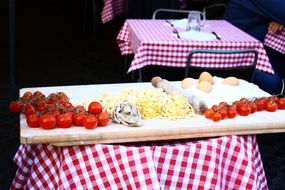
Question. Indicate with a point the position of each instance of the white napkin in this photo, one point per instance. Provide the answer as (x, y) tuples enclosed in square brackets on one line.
[(182, 23), (194, 35)]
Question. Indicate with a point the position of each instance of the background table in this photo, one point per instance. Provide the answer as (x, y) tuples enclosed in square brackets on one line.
[(112, 9), (276, 40), (230, 162), (153, 43)]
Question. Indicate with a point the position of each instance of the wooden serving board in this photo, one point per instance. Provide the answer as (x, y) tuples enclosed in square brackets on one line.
[(151, 130)]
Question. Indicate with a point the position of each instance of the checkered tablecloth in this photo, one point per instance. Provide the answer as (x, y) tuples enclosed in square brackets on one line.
[(112, 9), (229, 162), (276, 40), (153, 43)]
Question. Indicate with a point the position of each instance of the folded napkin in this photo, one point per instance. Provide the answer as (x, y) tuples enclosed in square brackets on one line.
[(194, 35)]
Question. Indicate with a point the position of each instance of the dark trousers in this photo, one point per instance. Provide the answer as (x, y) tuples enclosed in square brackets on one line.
[(268, 82)]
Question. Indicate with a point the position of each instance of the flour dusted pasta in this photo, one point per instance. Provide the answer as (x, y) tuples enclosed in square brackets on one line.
[(177, 107), (152, 103)]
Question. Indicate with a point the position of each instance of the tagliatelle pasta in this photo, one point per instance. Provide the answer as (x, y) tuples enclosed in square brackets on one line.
[(177, 107), (149, 106), (152, 103)]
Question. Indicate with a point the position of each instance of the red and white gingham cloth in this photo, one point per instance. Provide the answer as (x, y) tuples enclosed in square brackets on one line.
[(276, 40), (112, 9), (229, 162), (153, 43)]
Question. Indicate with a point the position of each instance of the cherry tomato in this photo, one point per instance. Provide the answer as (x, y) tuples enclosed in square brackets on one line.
[(29, 109), (243, 109), (79, 109), (281, 103), (60, 100), (273, 98), (223, 105), (208, 113), (271, 106), (26, 98), (56, 113), (27, 94), (235, 103), (64, 120), (52, 97), (52, 107), (47, 121), (260, 103), (244, 100), (215, 108), (70, 113), (95, 108), (90, 122), (216, 117), (38, 94), (233, 107), (32, 120), (253, 107), (223, 113), (41, 106), (16, 107), (232, 113), (78, 119), (67, 105), (62, 95), (103, 119)]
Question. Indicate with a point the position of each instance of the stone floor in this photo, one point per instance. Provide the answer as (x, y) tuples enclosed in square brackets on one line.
[(59, 52)]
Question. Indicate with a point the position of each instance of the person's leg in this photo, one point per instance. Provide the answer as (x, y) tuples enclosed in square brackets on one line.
[(277, 61), (268, 82)]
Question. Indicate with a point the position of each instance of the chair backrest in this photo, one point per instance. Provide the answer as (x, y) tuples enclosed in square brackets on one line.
[(244, 72), (174, 12), (214, 11)]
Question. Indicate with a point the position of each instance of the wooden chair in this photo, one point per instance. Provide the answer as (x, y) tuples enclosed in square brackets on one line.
[(242, 72)]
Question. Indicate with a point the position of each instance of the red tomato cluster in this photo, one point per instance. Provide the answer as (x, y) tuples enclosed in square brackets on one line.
[(55, 110), (244, 107)]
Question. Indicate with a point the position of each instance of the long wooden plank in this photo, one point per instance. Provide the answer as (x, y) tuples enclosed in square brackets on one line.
[(151, 130)]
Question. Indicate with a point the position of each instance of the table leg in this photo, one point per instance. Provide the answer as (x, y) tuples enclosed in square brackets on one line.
[(140, 75)]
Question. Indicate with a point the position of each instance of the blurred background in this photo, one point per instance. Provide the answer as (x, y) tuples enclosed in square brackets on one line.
[(63, 42), (55, 44)]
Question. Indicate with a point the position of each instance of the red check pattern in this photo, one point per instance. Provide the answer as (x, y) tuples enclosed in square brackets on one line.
[(276, 40), (153, 43), (112, 9), (231, 162)]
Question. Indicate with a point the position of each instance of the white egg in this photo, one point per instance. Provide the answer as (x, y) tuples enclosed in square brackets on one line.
[(188, 82)]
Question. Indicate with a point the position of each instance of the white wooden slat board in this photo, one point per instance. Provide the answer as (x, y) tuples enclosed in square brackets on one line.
[(151, 130)]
